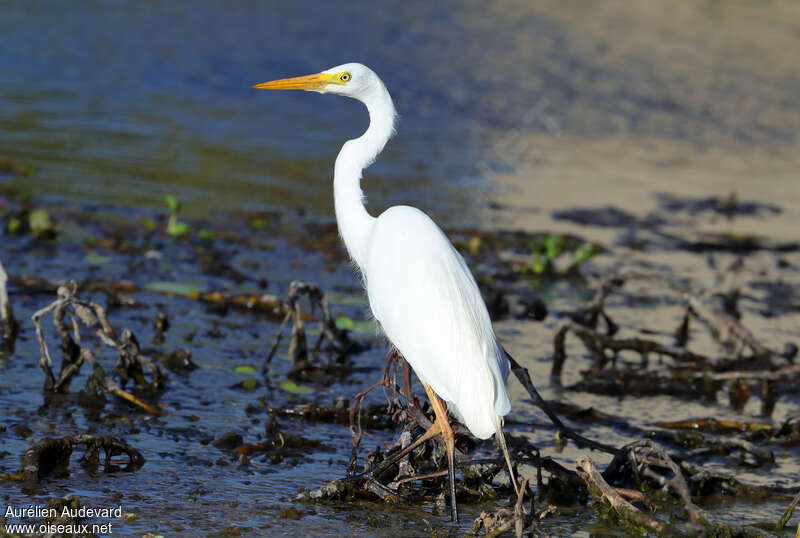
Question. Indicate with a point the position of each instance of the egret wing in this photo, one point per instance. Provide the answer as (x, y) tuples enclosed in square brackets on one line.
[(428, 304)]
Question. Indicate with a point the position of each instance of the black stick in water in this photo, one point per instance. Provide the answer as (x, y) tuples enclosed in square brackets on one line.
[(525, 378)]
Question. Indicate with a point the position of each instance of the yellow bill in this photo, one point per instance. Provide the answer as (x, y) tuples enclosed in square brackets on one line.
[(309, 82)]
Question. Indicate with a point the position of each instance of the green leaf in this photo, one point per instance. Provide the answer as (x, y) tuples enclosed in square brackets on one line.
[(244, 369), (174, 288), (173, 203), (345, 323), (93, 258), (585, 252), (176, 228), (148, 224), (206, 234), (40, 222), (538, 265), (13, 225), (552, 246), (259, 224), (251, 383), (559, 443), (365, 326), (294, 388), (361, 326)]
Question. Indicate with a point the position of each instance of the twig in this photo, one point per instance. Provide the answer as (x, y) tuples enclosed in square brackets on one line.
[(722, 323), (276, 342), (655, 456), (519, 513), (772, 375), (92, 315), (355, 418), (787, 514), (597, 343), (504, 528), (337, 339), (718, 442), (414, 478), (603, 493)]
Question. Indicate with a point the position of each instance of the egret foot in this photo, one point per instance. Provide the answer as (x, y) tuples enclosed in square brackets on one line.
[(440, 426), (449, 441), (376, 471)]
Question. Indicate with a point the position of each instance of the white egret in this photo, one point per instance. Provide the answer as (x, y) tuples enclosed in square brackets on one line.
[(420, 289)]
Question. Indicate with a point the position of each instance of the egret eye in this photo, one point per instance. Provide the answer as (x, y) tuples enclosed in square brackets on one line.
[(344, 77)]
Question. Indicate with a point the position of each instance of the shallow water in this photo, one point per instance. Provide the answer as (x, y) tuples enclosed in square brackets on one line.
[(509, 112)]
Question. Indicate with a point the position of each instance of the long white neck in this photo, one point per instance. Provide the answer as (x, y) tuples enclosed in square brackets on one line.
[(355, 223)]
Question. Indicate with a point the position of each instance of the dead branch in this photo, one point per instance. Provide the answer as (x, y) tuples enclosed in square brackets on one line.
[(623, 510), (112, 447), (338, 342), (355, 410), (649, 458), (50, 455), (767, 365), (100, 378), (723, 326), (787, 514), (69, 313), (766, 375), (599, 343), (370, 485), (590, 315)]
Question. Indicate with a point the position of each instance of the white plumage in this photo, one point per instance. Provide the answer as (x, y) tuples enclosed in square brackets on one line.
[(429, 306)]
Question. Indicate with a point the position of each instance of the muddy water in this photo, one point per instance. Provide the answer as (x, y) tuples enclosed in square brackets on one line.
[(510, 114)]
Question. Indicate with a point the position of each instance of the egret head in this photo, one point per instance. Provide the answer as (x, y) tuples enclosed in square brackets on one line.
[(351, 79)]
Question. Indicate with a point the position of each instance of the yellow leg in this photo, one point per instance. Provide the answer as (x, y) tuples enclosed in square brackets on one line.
[(450, 446)]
